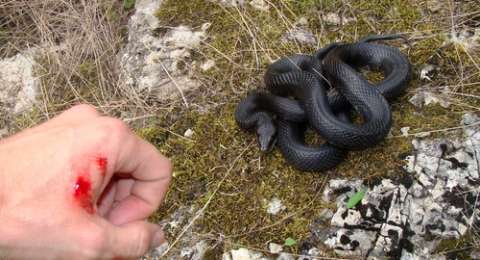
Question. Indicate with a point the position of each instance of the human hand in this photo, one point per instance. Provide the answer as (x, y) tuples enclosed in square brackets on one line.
[(80, 186)]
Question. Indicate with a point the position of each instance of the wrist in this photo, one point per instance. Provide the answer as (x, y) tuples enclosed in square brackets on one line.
[(10, 237)]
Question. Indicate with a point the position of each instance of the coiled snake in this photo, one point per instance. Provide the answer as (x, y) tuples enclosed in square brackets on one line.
[(326, 87)]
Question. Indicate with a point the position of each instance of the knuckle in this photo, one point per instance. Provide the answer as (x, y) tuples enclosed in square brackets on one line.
[(117, 126), (85, 108)]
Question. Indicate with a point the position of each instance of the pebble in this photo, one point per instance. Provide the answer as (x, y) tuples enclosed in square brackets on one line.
[(188, 133), (275, 248), (275, 206)]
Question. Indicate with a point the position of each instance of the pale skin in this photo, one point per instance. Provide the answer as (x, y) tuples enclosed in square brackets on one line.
[(41, 216)]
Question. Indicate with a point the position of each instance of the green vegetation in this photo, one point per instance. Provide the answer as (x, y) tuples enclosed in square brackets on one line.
[(128, 4), (456, 248)]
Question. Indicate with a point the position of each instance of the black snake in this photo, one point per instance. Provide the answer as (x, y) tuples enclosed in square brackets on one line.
[(326, 87)]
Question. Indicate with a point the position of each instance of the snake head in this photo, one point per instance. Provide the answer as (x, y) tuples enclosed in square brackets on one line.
[(267, 137)]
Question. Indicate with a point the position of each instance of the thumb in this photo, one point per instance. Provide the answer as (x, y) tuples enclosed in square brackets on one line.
[(134, 239)]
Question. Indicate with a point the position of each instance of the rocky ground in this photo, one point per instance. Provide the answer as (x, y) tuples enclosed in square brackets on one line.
[(175, 71)]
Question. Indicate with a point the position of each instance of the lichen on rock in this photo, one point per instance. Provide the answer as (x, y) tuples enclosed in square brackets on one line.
[(434, 197), (19, 85), (155, 64)]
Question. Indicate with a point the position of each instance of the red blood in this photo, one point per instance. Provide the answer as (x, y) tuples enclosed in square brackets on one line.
[(102, 164), (83, 193)]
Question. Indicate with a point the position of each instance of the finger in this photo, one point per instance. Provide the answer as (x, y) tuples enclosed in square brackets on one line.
[(77, 112), (117, 190), (73, 114), (133, 240), (123, 189), (151, 172), (106, 199)]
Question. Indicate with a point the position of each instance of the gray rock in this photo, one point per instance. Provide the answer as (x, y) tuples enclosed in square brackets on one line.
[(468, 38), (151, 64), (426, 96), (189, 246), (436, 197), (300, 35), (427, 72), (18, 84), (243, 254), (285, 256), (275, 248)]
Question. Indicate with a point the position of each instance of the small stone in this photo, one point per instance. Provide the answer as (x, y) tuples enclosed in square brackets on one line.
[(417, 100), (423, 134), (230, 3), (426, 97), (302, 22), (206, 66), (470, 118), (275, 248), (426, 73), (300, 35), (404, 130), (314, 252), (335, 19), (189, 133), (261, 5), (245, 254), (468, 38), (227, 256), (285, 256), (475, 254), (332, 18), (275, 206), (186, 252), (206, 26)]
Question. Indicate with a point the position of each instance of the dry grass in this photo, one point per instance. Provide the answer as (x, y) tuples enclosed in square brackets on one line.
[(78, 42)]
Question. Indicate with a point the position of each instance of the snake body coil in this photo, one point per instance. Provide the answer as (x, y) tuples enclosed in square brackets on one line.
[(326, 87)]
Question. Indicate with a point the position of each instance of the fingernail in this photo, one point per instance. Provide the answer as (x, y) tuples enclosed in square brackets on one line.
[(158, 239)]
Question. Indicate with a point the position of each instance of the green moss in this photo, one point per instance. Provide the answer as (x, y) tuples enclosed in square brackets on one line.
[(87, 69), (3, 36), (240, 204), (27, 119), (456, 248)]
